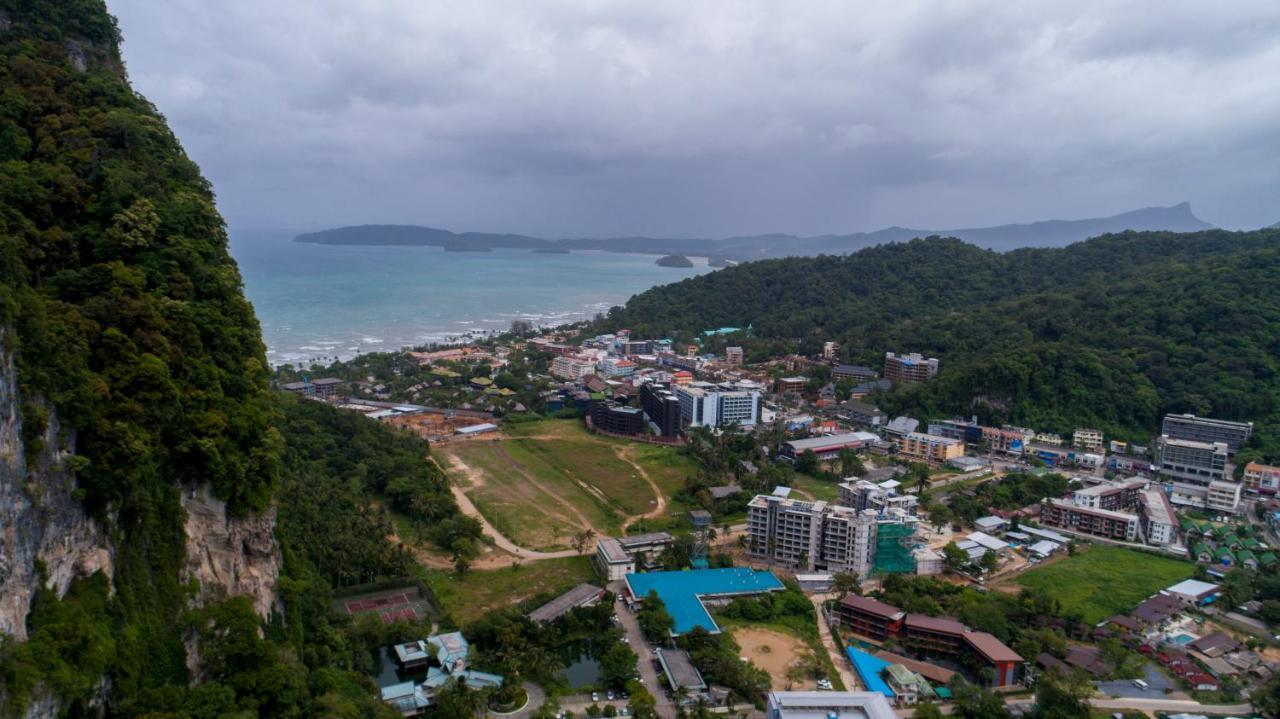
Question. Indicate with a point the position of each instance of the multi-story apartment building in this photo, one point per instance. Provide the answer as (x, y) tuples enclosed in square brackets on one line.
[(718, 406), (1088, 520), (1004, 441), (1261, 478), (617, 367), (862, 414), (967, 431), (733, 356), (830, 350), (930, 449), (853, 373), (1209, 431), (909, 368), (791, 385), (661, 408), (1198, 472), (811, 536), (1158, 522), (1113, 496), (572, 367), (785, 530), (1085, 438), (863, 494), (616, 418), (927, 636)]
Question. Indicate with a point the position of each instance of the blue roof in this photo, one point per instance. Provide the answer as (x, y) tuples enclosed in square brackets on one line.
[(869, 668), (680, 591)]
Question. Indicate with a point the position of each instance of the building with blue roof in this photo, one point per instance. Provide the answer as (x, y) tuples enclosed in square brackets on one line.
[(869, 667), (684, 593)]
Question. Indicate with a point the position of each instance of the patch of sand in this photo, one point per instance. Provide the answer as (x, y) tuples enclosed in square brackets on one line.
[(773, 652)]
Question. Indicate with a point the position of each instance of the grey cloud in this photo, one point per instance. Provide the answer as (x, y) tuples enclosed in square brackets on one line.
[(577, 118)]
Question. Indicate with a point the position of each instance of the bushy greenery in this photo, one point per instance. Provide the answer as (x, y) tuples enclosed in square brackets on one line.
[(1110, 333)]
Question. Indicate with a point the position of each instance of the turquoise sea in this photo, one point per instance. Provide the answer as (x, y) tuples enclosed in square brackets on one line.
[(321, 302)]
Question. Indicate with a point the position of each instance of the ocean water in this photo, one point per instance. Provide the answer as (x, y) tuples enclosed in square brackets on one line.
[(325, 302)]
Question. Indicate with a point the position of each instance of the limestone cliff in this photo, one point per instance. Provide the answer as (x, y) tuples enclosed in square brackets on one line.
[(229, 555), (41, 521)]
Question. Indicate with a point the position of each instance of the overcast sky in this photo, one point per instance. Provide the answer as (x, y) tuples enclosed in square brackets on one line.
[(588, 118)]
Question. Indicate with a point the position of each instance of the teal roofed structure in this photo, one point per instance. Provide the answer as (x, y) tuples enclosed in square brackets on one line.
[(683, 592)]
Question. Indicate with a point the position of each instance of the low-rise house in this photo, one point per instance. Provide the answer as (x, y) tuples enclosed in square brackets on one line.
[(583, 595)]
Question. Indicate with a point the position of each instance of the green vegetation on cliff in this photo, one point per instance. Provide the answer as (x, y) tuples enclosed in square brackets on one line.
[(1112, 332), (126, 317)]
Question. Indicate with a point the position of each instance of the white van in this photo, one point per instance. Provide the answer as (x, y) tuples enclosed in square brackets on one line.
[(1140, 684)]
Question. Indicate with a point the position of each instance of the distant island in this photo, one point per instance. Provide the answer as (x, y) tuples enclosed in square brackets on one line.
[(674, 261), (452, 246), (551, 251), (1050, 233)]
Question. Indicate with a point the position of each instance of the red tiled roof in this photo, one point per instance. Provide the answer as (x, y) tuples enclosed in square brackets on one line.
[(871, 606), (936, 624), (991, 647)]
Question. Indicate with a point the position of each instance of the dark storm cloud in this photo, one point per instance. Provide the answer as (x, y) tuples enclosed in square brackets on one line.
[(707, 119)]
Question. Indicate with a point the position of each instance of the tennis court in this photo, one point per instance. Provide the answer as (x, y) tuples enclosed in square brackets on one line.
[(390, 605), (684, 592)]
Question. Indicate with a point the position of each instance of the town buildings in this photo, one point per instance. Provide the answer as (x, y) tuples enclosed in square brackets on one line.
[(617, 419), (1198, 473), (909, 368), (852, 373), (733, 356), (862, 414), (572, 367), (791, 385), (825, 705), (830, 350), (1210, 431), (1261, 478), (326, 388), (616, 557), (661, 408), (828, 447), (1085, 438), (583, 595), (930, 449), (617, 367), (811, 536), (967, 431), (707, 405), (927, 636)]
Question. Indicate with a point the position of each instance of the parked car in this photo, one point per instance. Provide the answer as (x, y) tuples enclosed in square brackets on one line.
[(595, 696)]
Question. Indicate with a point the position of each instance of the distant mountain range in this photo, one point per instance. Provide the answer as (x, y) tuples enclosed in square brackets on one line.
[(1049, 233)]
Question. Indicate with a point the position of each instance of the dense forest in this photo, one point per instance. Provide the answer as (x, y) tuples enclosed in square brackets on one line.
[(1112, 332), (124, 314)]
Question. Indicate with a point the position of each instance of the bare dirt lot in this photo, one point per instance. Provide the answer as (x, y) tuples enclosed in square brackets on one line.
[(773, 652)]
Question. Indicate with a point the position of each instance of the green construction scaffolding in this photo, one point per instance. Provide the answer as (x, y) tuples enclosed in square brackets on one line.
[(894, 545)]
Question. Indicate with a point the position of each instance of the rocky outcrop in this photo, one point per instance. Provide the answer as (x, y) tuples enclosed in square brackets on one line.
[(231, 555), (41, 521)]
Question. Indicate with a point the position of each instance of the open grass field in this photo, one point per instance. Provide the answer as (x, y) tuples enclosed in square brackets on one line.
[(546, 481), (1104, 580), (471, 595)]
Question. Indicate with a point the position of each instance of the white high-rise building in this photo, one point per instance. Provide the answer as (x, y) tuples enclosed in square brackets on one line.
[(709, 405)]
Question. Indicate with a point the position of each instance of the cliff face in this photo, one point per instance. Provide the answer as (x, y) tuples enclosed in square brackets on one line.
[(41, 521), (228, 555)]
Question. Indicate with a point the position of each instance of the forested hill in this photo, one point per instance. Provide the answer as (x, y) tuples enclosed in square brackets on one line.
[(1048, 233), (1110, 332)]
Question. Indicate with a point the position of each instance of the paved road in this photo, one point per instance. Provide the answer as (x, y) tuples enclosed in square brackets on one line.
[(1172, 705), (630, 625), (537, 698)]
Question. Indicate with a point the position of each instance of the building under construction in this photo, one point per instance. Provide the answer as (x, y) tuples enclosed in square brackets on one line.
[(819, 536)]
